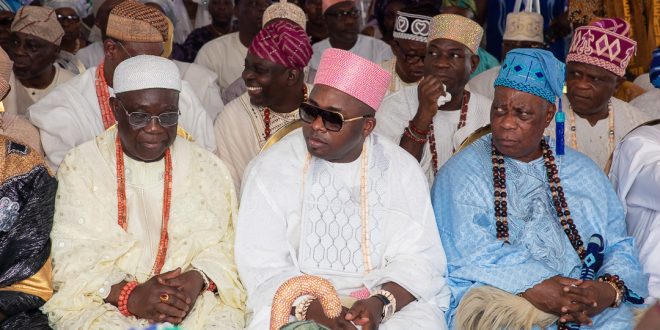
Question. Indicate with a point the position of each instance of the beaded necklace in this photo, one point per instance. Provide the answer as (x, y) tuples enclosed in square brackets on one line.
[(610, 132), (461, 123), (103, 97), (267, 115), (167, 199), (364, 205), (558, 199)]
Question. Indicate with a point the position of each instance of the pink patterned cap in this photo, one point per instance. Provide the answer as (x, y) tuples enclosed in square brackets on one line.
[(353, 75), (604, 43), (283, 42), (325, 4)]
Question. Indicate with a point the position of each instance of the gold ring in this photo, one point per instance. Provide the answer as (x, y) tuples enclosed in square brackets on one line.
[(164, 297)]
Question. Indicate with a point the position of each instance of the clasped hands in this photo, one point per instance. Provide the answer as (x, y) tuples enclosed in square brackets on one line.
[(366, 313), (570, 299), (180, 290)]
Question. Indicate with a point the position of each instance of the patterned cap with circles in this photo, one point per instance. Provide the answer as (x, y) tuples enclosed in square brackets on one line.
[(458, 28), (412, 27), (353, 75), (525, 25)]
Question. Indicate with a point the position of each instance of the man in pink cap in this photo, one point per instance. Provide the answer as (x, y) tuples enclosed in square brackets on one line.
[(595, 67), (275, 88), (342, 20), (336, 201)]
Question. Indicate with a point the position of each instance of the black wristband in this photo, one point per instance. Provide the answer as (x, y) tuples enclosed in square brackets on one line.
[(382, 299)]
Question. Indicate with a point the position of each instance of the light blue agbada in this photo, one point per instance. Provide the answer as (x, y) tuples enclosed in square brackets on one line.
[(464, 208)]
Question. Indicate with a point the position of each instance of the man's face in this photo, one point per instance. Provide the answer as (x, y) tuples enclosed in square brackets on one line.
[(342, 21), (31, 55), (221, 10), (146, 143), (264, 80), (518, 120), (409, 59), (251, 12), (589, 87), (314, 8), (451, 61), (70, 22), (345, 145)]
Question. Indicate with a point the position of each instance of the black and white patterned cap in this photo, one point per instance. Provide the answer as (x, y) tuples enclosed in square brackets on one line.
[(412, 27)]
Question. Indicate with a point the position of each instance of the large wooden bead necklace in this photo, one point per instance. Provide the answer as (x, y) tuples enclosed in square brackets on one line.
[(267, 115), (558, 198), (167, 200), (461, 123), (610, 131), (103, 96)]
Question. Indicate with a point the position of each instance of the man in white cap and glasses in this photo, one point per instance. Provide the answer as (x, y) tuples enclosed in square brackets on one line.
[(144, 227), (80, 110), (524, 29), (336, 201)]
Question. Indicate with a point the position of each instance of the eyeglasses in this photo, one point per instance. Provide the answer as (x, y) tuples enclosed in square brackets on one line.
[(140, 119), (332, 121), (61, 17), (344, 14)]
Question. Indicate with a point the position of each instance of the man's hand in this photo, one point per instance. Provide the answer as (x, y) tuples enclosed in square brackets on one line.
[(190, 283), (601, 293), (145, 300), (552, 297), (315, 313), (366, 313), (429, 90)]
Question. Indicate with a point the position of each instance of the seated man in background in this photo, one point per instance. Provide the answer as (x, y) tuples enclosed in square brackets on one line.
[(516, 218), (144, 226), (27, 205)]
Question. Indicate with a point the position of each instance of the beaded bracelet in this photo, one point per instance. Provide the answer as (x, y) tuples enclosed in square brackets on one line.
[(417, 130), (409, 134), (209, 285), (617, 284), (124, 294)]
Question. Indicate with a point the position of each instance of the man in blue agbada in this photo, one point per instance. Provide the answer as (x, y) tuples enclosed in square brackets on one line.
[(518, 222)]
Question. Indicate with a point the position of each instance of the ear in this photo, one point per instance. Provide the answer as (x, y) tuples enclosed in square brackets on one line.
[(293, 76), (109, 48), (369, 126), (474, 61), (113, 105), (550, 114)]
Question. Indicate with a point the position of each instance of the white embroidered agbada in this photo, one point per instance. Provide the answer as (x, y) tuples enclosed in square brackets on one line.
[(396, 83), (280, 236), (225, 56), (71, 115), (91, 55), (20, 98), (635, 175), (399, 108), (373, 49), (240, 133), (649, 103), (204, 83), (91, 252), (644, 81), (593, 141), (484, 83)]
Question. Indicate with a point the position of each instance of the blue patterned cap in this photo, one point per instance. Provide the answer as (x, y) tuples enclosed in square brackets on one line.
[(654, 73), (533, 71)]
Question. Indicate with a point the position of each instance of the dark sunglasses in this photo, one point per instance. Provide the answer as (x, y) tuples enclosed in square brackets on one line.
[(343, 14), (62, 18), (332, 121)]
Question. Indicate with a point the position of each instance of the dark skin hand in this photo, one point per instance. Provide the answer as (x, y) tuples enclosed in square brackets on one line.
[(367, 312), (144, 302), (573, 300), (315, 313), (190, 283), (429, 90)]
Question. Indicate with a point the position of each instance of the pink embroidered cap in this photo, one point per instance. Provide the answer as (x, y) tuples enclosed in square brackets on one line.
[(325, 4), (353, 75), (604, 43)]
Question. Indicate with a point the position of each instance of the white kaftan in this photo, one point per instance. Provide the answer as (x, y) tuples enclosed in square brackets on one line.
[(285, 229), (373, 49), (71, 115), (204, 83), (396, 83), (20, 98), (225, 56), (593, 141), (484, 83), (649, 103), (635, 175), (399, 108), (91, 252)]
